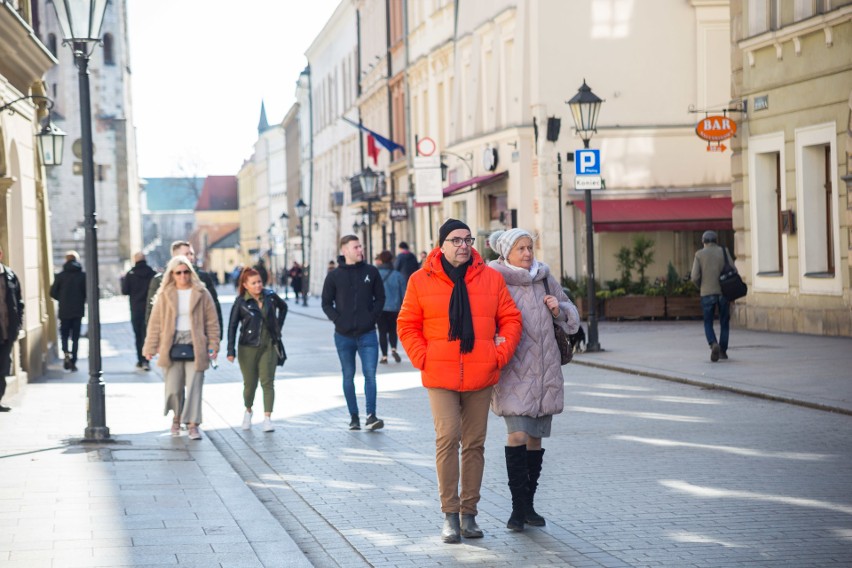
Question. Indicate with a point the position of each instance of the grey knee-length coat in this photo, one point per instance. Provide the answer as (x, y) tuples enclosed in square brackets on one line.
[(532, 384)]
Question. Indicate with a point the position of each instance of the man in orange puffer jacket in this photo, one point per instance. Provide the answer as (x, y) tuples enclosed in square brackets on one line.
[(459, 326)]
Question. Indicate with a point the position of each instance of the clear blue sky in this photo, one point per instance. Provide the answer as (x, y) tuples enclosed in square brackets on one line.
[(200, 69)]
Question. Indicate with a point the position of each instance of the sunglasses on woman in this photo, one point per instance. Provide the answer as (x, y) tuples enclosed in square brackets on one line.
[(181, 272)]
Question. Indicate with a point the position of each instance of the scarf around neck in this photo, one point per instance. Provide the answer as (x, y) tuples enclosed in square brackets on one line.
[(461, 320)]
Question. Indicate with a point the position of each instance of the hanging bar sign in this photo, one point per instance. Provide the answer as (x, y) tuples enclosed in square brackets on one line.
[(716, 128)]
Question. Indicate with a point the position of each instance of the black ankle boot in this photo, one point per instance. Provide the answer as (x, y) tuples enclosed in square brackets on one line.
[(469, 528), (516, 467), (451, 533), (534, 459)]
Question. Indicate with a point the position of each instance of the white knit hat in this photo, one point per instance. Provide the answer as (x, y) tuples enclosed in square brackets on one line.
[(502, 241)]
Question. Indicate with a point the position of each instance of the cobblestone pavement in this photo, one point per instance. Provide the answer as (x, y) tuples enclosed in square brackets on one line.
[(639, 472)]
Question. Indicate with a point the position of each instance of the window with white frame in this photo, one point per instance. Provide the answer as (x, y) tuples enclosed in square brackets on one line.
[(767, 197), (762, 16), (460, 210), (767, 205), (818, 213), (817, 221), (803, 9)]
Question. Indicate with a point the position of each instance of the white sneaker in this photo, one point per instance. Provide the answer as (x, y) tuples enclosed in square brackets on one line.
[(247, 421), (267, 425)]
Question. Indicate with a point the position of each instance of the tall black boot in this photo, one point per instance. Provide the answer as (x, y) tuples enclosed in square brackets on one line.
[(516, 467), (534, 459)]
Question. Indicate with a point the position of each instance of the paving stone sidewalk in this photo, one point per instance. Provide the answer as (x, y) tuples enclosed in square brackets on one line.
[(148, 499), (640, 472)]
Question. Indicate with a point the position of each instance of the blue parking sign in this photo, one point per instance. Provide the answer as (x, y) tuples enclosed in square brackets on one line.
[(587, 162)]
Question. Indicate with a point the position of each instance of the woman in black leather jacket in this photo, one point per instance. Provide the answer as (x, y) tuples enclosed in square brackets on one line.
[(259, 313)]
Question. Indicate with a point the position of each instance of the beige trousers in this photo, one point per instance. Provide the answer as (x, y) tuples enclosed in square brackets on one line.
[(183, 391), (461, 420)]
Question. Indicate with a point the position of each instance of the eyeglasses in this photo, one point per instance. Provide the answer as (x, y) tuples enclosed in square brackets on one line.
[(181, 272), (457, 241)]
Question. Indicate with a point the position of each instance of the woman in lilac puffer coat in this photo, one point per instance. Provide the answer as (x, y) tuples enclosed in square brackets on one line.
[(530, 390)]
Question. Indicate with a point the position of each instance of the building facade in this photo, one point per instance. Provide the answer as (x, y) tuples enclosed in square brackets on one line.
[(332, 82), (503, 130), (168, 215), (792, 215), (114, 138), (25, 233)]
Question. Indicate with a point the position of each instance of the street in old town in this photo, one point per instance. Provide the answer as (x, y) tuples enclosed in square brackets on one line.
[(641, 471)]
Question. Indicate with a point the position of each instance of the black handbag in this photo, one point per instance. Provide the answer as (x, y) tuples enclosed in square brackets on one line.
[(182, 352), (733, 287), (279, 350), (279, 345), (566, 351)]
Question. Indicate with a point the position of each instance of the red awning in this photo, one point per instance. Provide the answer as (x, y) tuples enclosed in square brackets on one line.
[(477, 181), (663, 214), (471, 183)]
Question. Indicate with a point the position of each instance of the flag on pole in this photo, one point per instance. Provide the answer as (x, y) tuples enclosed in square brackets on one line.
[(372, 149), (386, 143)]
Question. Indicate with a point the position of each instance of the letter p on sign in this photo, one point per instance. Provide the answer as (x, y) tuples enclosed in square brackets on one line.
[(587, 162)]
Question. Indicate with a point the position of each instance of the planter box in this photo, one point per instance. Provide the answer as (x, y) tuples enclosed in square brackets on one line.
[(635, 307), (678, 307), (583, 308)]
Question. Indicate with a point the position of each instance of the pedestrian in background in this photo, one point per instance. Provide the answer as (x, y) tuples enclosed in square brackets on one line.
[(260, 267), (353, 297), (11, 319), (394, 284), (297, 275), (453, 309), (135, 285), (183, 314), (69, 288), (706, 269), (259, 314), (530, 390), (405, 263), (184, 248)]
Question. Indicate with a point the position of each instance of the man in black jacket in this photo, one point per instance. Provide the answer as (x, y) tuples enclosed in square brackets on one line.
[(184, 248), (353, 297), (11, 319), (69, 287), (135, 285), (406, 263)]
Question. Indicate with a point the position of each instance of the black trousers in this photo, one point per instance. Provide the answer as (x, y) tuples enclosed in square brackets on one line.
[(387, 331), (5, 363), (137, 320), (70, 327)]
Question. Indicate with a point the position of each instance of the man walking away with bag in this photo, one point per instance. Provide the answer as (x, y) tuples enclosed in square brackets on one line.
[(135, 285), (353, 297), (69, 288), (706, 268)]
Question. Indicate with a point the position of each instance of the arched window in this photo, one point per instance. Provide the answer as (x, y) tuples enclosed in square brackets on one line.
[(109, 57)]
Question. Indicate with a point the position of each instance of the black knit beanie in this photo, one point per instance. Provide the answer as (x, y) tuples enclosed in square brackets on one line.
[(448, 227)]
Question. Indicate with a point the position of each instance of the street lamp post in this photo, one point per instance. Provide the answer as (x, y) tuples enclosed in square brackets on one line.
[(585, 106), (285, 270), (81, 23), (369, 180), (302, 211)]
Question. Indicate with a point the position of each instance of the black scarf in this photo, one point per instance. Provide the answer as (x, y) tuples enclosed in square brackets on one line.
[(461, 321)]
